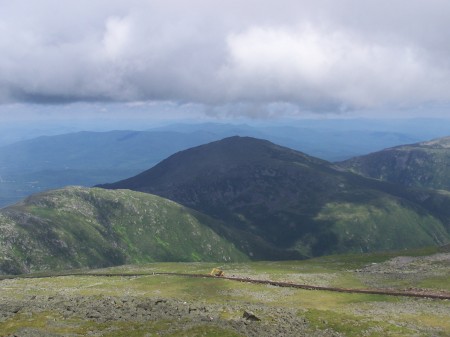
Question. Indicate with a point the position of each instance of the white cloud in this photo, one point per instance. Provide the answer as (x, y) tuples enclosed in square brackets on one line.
[(315, 55), (315, 66), (116, 36)]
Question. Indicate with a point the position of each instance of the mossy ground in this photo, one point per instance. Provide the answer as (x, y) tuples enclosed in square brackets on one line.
[(324, 312)]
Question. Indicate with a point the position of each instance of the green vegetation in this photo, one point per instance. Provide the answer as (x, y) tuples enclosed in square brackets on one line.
[(258, 201), (417, 165), (79, 227), (387, 224), (180, 306), (89, 158), (282, 204), (354, 325)]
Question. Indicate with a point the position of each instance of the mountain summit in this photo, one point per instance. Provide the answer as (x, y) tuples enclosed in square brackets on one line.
[(215, 160), (286, 200)]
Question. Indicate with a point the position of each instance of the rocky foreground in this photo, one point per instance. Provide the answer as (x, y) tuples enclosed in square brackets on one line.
[(119, 302), (131, 310)]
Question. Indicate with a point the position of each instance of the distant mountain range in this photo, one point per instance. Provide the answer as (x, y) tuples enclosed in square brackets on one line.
[(243, 198), (425, 164), (80, 227), (90, 158), (84, 158), (293, 202)]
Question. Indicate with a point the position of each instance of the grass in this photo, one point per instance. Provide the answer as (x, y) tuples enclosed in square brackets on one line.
[(365, 227), (48, 322), (204, 330), (352, 325), (438, 283), (346, 314)]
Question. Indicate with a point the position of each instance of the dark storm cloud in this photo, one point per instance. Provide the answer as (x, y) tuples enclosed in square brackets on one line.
[(321, 55)]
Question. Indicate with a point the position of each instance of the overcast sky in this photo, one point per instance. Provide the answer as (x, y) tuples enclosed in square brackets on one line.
[(242, 58)]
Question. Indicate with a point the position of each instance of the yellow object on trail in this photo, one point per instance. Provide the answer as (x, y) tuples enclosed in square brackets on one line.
[(217, 272)]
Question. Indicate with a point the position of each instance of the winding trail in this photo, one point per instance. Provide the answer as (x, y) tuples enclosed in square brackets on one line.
[(444, 296)]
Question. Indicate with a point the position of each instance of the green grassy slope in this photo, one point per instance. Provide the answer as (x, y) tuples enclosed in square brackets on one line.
[(78, 227), (425, 164), (292, 201)]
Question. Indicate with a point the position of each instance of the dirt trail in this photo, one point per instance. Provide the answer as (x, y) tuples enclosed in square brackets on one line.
[(407, 293)]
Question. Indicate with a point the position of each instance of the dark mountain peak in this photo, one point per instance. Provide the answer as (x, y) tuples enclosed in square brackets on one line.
[(235, 144), (285, 199), (231, 154), (244, 149)]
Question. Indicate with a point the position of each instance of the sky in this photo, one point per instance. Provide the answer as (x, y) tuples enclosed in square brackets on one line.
[(218, 59)]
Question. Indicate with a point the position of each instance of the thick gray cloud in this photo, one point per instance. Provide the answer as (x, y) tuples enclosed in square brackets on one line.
[(316, 55)]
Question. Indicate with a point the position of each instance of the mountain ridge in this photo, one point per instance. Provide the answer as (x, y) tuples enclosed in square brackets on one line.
[(88, 158), (79, 227), (424, 164), (291, 200)]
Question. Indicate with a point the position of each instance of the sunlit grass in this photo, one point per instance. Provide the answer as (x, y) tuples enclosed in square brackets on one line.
[(344, 313)]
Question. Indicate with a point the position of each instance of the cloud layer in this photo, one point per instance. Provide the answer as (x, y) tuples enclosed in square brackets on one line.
[(321, 55)]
